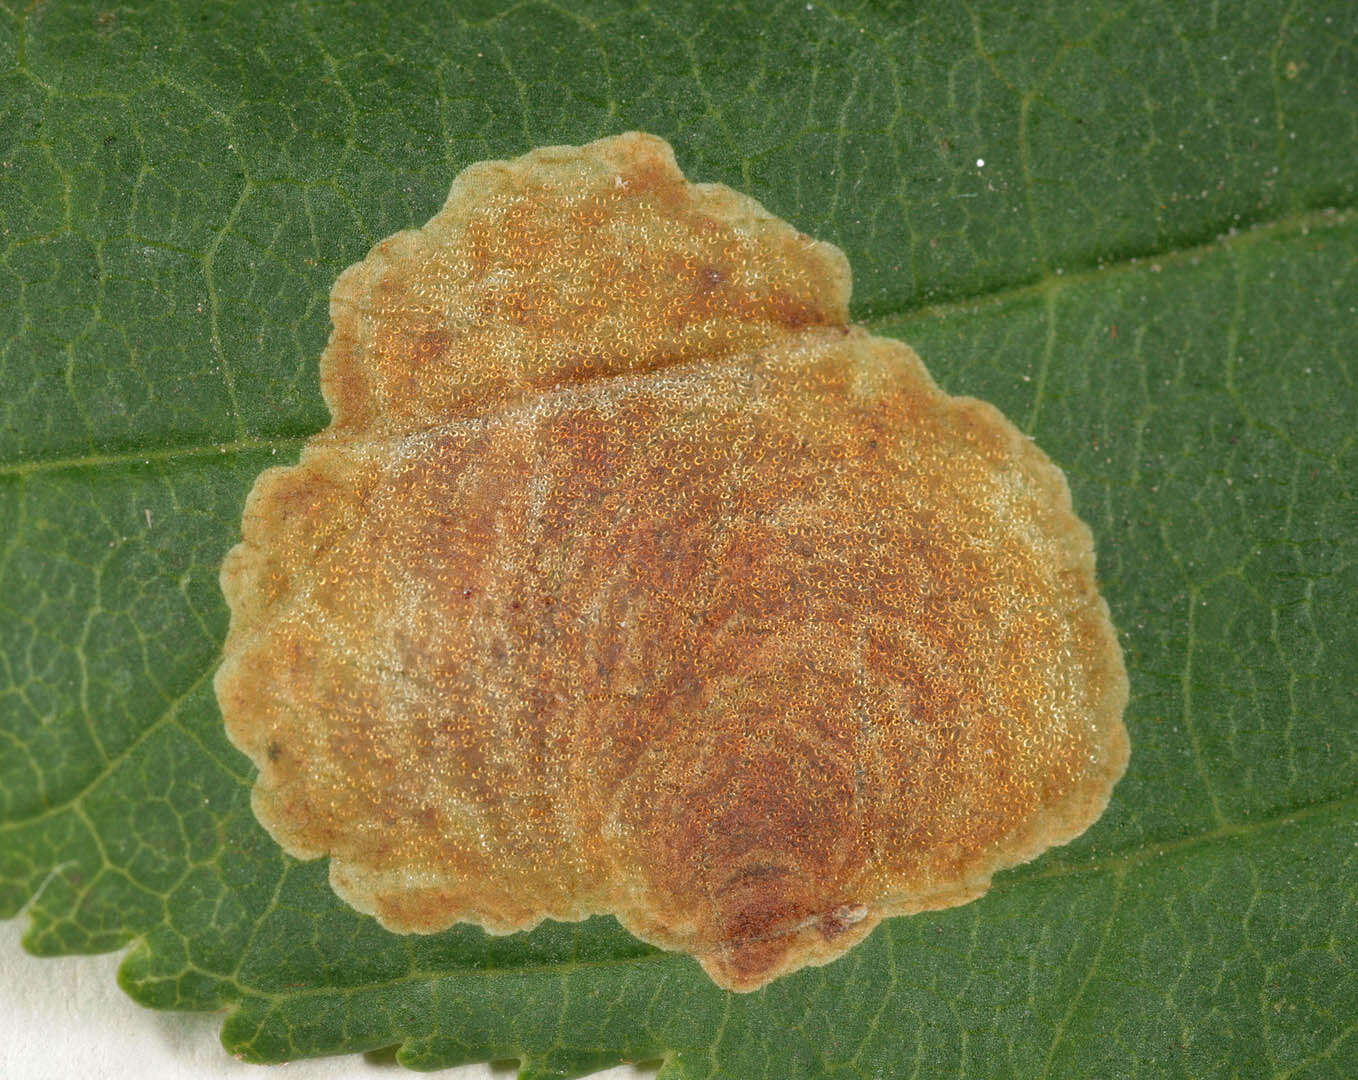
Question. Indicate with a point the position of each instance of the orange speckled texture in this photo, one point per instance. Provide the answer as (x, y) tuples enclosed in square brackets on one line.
[(629, 577)]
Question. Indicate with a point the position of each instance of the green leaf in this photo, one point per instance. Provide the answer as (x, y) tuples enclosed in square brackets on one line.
[(1153, 272)]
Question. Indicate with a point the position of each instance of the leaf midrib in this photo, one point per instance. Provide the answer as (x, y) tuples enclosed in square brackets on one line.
[(1046, 286), (1049, 285)]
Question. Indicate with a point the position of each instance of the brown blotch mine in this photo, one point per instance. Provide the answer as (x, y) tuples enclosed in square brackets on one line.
[(628, 577)]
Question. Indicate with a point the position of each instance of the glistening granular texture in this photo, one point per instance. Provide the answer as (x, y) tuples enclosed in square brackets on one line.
[(630, 578)]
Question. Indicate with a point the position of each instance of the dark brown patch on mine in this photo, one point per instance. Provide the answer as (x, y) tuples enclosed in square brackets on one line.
[(629, 577)]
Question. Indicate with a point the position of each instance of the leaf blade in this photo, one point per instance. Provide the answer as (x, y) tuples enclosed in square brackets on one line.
[(1214, 467)]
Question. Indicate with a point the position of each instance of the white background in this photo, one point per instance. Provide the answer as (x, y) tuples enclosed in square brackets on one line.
[(64, 1018)]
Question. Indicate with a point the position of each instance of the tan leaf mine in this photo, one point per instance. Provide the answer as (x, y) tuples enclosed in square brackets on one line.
[(629, 577)]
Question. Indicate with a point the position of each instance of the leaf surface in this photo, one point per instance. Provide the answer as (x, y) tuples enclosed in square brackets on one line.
[(1129, 226)]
